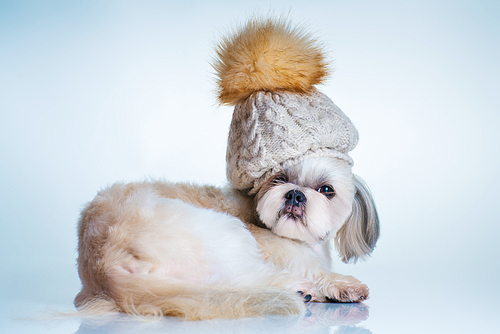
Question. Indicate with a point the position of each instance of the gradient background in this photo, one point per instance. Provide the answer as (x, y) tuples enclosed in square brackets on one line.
[(93, 92)]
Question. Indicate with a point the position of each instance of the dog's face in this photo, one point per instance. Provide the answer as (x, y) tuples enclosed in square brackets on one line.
[(309, 201)]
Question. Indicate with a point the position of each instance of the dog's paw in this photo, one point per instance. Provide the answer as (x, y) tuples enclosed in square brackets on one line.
[(342, 289), (307, 298), (306, 289), (347, 293)]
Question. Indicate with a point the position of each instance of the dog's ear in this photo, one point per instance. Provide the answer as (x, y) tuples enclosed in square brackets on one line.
[(357, 237)]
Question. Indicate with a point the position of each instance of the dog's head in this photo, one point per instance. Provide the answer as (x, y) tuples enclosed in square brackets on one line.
[(319, 199)]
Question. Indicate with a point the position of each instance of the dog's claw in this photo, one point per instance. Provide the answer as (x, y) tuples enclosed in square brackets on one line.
[(307, 298)]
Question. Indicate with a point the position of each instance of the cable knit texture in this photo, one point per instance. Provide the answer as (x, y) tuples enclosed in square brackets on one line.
[(273, 130)]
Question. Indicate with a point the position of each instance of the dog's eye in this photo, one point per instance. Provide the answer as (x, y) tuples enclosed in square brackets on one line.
[(327, 190), (280, 179)]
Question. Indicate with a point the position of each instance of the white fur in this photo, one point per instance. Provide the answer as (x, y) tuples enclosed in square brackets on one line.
[(216, 247), (323, 217)]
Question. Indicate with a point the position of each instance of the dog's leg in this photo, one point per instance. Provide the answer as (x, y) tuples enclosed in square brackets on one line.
[(303, 262)]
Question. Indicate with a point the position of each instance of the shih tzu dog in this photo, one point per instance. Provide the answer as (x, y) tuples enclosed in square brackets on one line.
[(262, 245)]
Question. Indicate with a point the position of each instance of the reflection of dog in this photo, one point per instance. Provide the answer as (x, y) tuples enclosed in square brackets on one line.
[(157, 248), (338, 314), (319, 318)]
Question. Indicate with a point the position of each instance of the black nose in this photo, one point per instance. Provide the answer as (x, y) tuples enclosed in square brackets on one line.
[(295, 197)]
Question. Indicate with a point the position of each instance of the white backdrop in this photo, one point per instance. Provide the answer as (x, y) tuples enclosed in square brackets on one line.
[(96, 92)]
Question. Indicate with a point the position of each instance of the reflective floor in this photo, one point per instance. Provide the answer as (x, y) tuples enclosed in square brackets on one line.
[(320, 318), (426, 317), (405, 300)]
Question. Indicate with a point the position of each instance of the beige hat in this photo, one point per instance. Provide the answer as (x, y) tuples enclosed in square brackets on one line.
[(268, 71)]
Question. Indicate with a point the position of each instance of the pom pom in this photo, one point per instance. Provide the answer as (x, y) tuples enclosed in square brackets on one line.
[(267, 55)]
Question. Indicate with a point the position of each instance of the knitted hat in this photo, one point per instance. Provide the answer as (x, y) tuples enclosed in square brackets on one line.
[(268, 70)]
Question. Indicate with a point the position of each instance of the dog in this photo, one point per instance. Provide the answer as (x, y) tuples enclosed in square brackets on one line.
[(200, 252), (262, 245)]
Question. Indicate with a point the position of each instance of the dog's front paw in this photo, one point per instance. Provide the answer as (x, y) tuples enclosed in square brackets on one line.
[(341, 289), (347, 292), (306, 289)]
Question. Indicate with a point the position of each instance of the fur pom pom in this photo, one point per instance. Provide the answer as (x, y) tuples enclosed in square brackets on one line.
[(267, 55)]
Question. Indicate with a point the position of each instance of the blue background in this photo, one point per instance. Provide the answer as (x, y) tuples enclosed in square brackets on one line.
[(93, 92)]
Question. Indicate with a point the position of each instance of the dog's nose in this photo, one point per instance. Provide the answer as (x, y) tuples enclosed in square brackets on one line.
[(295, 197)]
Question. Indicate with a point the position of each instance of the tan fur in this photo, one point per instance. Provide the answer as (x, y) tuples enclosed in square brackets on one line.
[(267, 55), (129, 263)]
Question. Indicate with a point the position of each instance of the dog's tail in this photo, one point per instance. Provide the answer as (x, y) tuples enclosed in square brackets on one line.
[(154, 297)]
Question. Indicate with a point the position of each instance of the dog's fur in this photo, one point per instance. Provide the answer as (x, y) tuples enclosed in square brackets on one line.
[(200, 252)]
